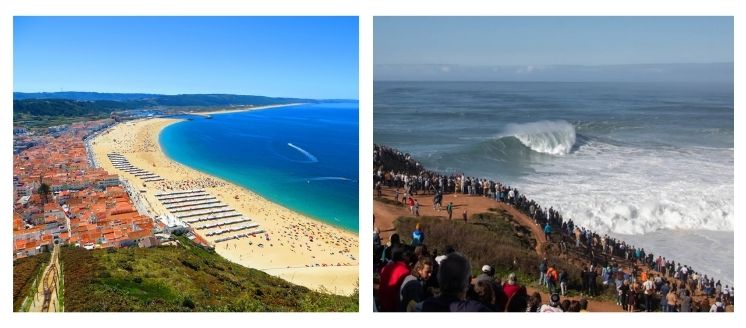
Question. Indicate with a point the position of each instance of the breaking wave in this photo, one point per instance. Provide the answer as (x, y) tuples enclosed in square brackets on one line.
[(547, 137)]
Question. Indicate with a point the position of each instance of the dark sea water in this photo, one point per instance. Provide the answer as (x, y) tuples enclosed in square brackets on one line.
[(651, 163), (303, 157)]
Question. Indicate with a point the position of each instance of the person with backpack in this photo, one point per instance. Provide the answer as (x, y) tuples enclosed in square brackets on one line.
[(552, 277)]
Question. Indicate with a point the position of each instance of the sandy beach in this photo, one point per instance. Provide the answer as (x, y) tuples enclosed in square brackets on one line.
[(245, 109), (296, 248)]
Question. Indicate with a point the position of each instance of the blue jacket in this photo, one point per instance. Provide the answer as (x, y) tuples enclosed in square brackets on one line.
[(418, 238)]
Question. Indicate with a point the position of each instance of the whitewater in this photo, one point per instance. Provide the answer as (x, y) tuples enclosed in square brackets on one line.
[(650, 164)]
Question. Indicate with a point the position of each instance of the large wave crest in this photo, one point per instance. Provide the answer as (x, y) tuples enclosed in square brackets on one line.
[(548, 137)]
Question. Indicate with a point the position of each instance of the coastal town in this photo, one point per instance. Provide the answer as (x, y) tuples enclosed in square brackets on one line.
[(61, 197), (107, 184)]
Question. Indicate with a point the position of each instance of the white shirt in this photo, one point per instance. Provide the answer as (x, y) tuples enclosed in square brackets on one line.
[(548, 308)]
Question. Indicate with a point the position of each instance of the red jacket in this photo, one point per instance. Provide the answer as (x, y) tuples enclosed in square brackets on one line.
[(392, 276), (510, 290)]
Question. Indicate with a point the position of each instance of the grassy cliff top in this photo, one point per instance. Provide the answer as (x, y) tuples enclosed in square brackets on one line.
[(182, 278)]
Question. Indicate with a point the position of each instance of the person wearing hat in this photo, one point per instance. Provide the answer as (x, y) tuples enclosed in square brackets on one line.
[(488, 275), (553, 306)]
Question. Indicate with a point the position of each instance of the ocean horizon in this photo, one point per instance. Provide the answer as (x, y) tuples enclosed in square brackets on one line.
[(648, 163), (303, 157)]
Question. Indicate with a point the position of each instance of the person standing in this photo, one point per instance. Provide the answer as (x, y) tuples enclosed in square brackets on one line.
[(511, 287), (649, 289), (543, 272), (624, 294), (413, 287), (686, 302), (563, 281), (453, 279), (632, 298), (664, 293), (392, 276), (671, 299), (552, 278), (418, 237), (592, 275), (449, 209), (547, 232)]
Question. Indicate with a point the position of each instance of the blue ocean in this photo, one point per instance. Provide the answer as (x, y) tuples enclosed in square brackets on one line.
[(303, 157), (650, 163)]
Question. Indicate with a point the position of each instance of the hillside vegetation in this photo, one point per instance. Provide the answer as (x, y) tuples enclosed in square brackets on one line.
[(25, 272), (488, 238), (181, 278)]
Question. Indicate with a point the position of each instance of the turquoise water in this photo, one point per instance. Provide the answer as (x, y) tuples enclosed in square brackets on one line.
[(302, 157)]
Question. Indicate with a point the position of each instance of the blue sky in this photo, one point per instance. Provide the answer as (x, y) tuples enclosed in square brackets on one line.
[(526, 45), (309, 57)]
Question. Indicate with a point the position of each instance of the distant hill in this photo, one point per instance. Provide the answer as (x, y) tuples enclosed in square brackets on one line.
[(181, 278), (65, 107), (93, 103), (83, 96)]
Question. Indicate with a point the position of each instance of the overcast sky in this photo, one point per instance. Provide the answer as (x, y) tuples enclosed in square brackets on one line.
[(553, 48)]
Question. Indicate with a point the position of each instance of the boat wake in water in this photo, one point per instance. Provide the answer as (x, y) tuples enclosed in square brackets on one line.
[(311, 158)]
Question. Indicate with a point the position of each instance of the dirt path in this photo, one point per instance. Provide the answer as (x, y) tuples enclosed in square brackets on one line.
[(386, 214), (593, 305), (46, 295)]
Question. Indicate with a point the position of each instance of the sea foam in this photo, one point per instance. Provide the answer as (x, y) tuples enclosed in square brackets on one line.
[(629, 190)]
